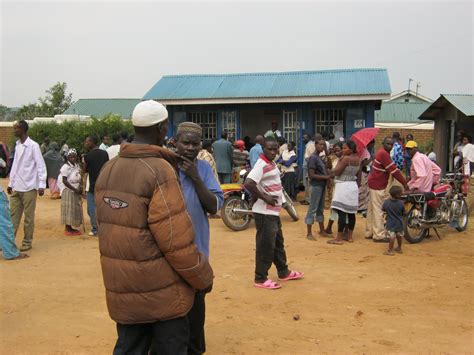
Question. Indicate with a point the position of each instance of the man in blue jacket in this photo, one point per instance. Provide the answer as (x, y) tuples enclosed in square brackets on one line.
[(223, 156)]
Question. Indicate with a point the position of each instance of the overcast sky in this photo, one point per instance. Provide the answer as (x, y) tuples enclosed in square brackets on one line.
[(120, 49)]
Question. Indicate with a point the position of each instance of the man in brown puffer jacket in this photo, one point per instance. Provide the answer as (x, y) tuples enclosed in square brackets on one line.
[(150, 265)]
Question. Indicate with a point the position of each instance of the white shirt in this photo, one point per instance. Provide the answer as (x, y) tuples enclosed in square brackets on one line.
[(309, 149), (271, 133), (72, 174), (113, 151), (286, 155), (103, 146), (28, 169), (267, 177), (468, 157)]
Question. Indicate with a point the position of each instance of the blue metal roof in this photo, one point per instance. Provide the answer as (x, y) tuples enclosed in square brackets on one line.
[(344, 82)]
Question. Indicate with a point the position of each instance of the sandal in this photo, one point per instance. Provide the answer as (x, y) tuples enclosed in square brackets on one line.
[(293, 275), (336, 242), (269, 285), (20, 256), (311, 238)]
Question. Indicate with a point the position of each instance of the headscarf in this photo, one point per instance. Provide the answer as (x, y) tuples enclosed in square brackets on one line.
[(53, 160), (71, 151), (240, 145)]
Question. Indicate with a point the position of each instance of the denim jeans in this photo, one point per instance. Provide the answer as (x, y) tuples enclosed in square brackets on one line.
[(307, 186), (91, 211), (7, 234), (316, 206)]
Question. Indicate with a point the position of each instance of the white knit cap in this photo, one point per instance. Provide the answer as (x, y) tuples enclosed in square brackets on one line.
[(149, 113)]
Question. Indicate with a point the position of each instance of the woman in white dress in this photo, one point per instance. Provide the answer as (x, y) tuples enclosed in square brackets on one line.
[(345, 200), (70, 181)]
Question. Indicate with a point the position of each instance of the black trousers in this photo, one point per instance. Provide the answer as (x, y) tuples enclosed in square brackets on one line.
[(288, 182), (270, 247), (196, 318), (341, 223), (166, 337)]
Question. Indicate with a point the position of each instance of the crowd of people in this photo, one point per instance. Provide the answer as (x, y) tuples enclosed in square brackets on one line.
[(149, 200)]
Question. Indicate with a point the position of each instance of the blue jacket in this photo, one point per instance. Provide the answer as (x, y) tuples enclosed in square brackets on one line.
[(223, 156)]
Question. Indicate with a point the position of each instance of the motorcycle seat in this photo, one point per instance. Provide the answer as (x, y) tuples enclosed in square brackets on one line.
[(429, 195)]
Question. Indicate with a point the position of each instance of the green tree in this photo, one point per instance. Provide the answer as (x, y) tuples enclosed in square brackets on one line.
[(4, 113), (56, 100), (28, 112), (74, 132)]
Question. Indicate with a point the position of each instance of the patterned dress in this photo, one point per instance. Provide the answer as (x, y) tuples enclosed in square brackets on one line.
[(206, 156)]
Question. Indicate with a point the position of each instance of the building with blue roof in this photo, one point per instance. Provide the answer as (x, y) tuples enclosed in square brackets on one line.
[(326, 101)]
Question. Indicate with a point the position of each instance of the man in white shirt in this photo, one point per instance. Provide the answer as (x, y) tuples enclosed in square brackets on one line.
[(274, 132), (114, 149), (27, 180), (105, 143), (264, 184)]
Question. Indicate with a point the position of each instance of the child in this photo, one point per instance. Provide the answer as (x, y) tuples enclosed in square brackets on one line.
[(395, 210)]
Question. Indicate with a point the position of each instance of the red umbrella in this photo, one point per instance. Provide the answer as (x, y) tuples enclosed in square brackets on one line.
[(364, 137)]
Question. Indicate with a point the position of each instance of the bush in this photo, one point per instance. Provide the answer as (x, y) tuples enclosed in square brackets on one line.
[(73, 133)]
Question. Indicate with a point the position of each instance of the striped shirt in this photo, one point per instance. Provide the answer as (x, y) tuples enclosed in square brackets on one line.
[(240, 157), (267, 176), (382, 168)]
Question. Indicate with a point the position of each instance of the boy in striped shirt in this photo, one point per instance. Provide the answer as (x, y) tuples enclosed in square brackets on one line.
[(264, 184)]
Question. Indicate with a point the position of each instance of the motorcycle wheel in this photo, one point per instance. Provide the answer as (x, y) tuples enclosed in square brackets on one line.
[(234, 221), (462, 217), (413, 235), (290, 207)]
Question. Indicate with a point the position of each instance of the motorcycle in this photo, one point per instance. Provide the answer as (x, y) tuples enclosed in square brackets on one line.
[(237, 210), (444, 206)]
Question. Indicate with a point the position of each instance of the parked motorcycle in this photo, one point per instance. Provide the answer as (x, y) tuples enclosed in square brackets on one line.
[(444, 206), (237, 210)]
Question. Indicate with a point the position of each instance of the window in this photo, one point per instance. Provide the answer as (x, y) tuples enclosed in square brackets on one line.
[(325, 120), (290, 126), (229, 124), (208, 122)]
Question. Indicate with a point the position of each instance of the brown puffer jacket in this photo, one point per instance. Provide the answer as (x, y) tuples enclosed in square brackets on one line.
[(150, 264)]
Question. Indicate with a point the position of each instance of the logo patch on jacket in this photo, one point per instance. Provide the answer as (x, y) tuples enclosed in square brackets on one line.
[(115, 203)]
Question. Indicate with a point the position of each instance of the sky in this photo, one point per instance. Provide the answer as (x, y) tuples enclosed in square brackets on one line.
[(121, 49)]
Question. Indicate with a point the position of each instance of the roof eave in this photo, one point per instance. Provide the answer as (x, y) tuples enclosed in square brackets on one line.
[(217, 101)]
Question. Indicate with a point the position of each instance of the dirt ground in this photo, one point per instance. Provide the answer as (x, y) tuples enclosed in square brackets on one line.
[(353, 299)]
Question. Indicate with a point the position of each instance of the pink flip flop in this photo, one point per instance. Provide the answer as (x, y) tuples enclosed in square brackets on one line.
[(269, 285), (293, 275)]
